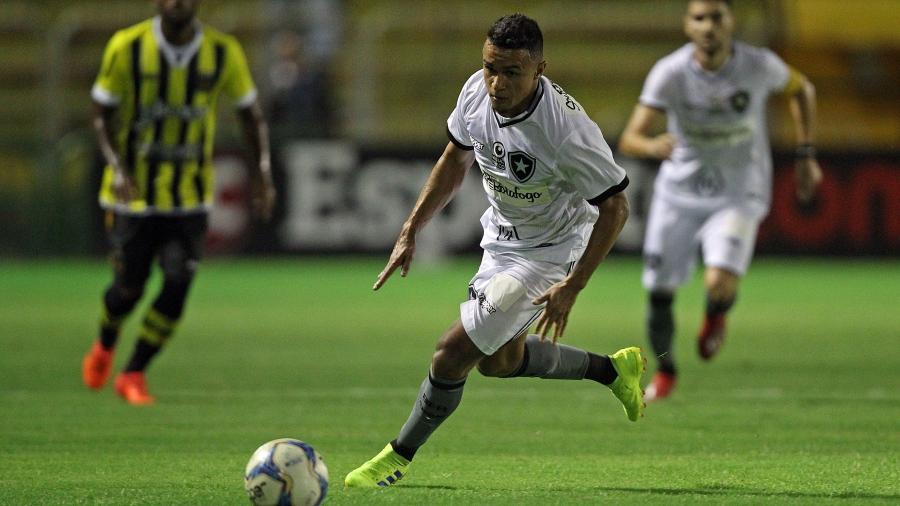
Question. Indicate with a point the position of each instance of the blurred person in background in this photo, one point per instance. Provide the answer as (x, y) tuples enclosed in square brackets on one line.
[(301, 103), (714, 185), (556, 207), (154, 115)]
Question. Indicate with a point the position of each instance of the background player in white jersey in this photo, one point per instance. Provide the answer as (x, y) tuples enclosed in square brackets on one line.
[(714, 185), (556, 208)]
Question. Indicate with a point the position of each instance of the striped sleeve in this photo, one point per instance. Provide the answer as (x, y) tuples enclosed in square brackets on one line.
[(238, 85), (112, 80)]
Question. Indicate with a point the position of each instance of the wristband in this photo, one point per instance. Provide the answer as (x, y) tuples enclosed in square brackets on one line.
[(805, 151)]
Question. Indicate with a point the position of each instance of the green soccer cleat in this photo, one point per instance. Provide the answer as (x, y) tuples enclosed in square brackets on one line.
[(383, 470), (627, 387)]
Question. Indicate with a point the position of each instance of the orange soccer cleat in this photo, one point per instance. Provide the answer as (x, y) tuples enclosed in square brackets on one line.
[(711, 336), (96, 365), (660, 387), (132, 387)]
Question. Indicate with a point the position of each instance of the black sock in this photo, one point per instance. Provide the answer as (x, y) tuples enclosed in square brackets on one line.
[(406, 453), (600, 369), (143, 353), (108, 337), (666, 365), (661, 330)]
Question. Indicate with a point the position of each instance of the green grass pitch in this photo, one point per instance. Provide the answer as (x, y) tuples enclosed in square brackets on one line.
[(801, 407)]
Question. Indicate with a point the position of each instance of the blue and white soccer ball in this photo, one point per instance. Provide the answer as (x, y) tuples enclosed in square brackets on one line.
[(286, 472)]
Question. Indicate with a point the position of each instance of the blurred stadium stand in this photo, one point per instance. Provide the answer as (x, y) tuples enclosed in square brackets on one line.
[(396, 68)]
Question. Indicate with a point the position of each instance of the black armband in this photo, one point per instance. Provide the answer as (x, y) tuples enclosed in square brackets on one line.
[(805, 151)]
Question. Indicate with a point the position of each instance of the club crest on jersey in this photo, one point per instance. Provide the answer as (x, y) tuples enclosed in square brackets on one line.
[(521, 165), (740, 100)]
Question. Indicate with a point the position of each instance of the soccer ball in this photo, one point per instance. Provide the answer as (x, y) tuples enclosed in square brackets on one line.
[(286, 472)]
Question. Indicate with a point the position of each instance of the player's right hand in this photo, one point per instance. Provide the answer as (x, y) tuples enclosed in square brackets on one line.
[(123, 186), (662, 146), (401, 257), (808, 177)]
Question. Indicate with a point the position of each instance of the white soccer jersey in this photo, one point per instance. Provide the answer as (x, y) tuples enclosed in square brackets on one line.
[(718, 119), (538, 170)]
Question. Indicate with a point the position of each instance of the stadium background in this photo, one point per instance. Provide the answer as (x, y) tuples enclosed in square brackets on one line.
[(358, 92)]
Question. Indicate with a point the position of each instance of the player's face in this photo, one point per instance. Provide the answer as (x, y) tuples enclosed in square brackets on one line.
[(709, 24), (511, 76), (178, 12)]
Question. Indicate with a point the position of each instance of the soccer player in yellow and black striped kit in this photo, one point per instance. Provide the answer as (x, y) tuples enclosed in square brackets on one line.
[(155, 103)]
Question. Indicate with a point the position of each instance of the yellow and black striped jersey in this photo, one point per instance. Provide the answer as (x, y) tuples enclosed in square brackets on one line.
[(166, 105)]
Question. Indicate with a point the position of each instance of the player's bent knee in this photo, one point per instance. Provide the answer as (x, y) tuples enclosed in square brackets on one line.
[(455, 354), (496, 368)]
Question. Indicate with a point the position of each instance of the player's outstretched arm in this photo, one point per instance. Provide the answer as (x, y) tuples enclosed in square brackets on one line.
[(637, 140), (123, 185), (445, 178), (807, 172), (256, 132), (561, 296)]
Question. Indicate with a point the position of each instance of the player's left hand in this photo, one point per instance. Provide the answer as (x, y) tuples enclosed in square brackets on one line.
[(263, 199), (559, 299), (401, 256), (808, 176)]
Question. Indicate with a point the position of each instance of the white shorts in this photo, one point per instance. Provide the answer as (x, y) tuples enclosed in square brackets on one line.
[(726, 235), (499, 306)]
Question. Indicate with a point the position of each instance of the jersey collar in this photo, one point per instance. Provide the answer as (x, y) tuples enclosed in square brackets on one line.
[(505, 122), (725, 69), (177, 56)]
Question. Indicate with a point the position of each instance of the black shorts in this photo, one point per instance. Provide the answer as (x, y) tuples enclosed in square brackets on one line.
[(177, 241)]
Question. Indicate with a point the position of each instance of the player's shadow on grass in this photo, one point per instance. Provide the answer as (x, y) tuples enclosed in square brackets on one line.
[(435, 487), (728, 490)]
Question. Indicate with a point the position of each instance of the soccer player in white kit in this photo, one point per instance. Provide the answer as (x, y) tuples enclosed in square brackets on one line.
[(714, 185), (556, 208)]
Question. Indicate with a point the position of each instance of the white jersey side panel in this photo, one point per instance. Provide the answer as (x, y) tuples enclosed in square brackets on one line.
[(538, 170), (722, 151)]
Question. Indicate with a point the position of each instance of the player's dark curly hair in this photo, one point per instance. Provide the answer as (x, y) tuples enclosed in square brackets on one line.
[(517, 31)]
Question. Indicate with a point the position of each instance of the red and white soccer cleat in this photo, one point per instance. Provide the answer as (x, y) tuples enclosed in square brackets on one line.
[(96, 365), (711, 336), (660, 386), (132, 387)]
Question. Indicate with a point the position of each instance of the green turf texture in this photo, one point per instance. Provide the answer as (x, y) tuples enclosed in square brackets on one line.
[(801, 407)]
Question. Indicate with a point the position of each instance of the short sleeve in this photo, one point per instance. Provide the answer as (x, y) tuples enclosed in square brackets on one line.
[(112, 80), (238, 85), (657, 91), (586, 161), (456, 123), (776, 71)]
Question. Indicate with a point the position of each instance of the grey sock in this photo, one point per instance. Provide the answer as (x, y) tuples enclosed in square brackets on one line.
[(437, 399), (544, 359), (661, 329)]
